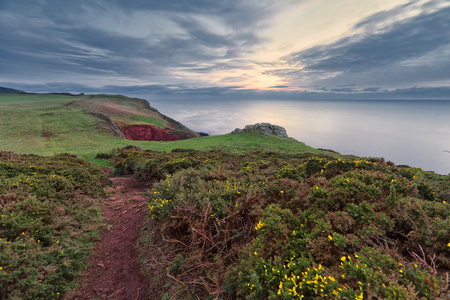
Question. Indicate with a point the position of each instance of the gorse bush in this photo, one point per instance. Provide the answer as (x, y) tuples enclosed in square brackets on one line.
[(49, 216), (271, 225)]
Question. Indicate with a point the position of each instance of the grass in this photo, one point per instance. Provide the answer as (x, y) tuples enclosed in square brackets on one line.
[(149, 120), (49, 124)]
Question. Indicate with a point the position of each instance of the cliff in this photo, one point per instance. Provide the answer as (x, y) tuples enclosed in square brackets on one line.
[(133, 119)]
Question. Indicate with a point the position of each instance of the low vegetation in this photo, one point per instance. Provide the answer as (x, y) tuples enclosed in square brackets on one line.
[(274, 225), (49, 217), (229, 217)]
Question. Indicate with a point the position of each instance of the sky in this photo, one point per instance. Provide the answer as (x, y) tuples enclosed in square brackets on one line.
[(245, 48)]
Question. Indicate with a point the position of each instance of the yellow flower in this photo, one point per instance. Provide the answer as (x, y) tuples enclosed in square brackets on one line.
[(448, 245), (330, 237), (343, 258), (259, 225)]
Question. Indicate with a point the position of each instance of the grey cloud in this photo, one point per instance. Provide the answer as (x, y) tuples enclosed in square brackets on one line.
[(279, 86), (429, 70), (412, 38), (183, 92), (401, 47), (53, 37), (54, 43), (371, 89), (344, 90)]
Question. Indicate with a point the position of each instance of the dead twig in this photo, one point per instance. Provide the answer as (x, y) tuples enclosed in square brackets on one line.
[(166, 239), (423, 260)]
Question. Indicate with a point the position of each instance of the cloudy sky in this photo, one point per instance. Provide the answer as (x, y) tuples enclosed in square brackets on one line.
[(228, 46)]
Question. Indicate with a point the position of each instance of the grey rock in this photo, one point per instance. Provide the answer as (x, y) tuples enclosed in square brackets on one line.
[(237, 131), (109, 125), (264, 129)]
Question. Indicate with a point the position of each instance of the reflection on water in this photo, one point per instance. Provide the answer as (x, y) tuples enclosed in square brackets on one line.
[(415, 133)]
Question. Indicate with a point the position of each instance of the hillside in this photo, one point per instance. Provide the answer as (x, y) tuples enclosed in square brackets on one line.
[(4, 90), (84, 124)]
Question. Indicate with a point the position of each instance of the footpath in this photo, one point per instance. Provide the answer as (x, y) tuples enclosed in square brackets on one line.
[(114, 268)]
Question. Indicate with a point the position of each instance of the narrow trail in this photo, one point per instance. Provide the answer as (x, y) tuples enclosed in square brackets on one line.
[(114, 271)]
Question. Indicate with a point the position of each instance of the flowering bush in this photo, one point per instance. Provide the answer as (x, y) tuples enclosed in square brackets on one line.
[(49, 216), (272, 225)]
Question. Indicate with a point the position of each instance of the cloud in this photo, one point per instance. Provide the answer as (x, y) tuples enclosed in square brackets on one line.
[(202, 46), (140, 41), (184, 92), (385, 53), (371, 89)]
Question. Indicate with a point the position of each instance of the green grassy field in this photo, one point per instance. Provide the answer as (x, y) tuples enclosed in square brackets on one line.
[(26, 119)]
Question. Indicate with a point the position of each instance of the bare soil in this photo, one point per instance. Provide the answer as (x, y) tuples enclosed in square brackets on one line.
[(114, 271), (148, 133)]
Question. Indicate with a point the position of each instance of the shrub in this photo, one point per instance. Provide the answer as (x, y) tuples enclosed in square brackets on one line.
[(49, 217), (280, 226)]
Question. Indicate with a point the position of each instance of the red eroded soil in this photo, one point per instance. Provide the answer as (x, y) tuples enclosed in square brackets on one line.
[(148, 133), (114, 272)]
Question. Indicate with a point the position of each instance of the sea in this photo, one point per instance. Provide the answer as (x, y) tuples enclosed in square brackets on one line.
[(407, 132)]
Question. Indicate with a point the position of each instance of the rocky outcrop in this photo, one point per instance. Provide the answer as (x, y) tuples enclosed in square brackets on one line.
[(109, 126), (264, 129)]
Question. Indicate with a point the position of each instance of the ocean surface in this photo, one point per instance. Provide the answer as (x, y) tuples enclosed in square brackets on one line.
[(414, 133)]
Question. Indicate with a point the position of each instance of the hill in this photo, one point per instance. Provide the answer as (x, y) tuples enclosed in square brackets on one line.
[(44, 124), (4, 90)]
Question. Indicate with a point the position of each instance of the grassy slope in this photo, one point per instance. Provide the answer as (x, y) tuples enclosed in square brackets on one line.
[(25, 118)]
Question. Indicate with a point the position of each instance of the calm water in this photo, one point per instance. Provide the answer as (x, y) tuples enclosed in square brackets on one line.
[(415, 133)]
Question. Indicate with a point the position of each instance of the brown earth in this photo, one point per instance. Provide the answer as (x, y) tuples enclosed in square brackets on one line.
[(148, 133), (114, 272)]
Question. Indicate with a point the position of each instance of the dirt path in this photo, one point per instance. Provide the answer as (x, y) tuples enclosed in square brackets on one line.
[(114, 271)]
